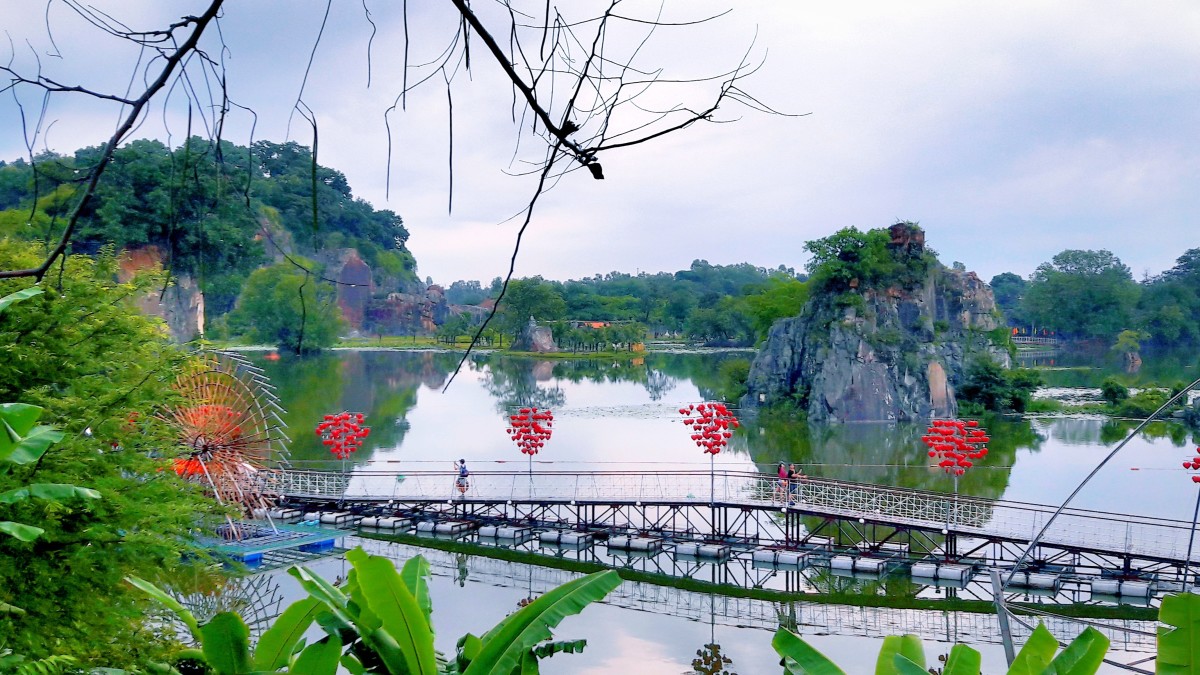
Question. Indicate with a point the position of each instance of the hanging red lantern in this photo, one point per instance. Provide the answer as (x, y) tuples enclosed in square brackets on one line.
[(709, 423), (342, 433)]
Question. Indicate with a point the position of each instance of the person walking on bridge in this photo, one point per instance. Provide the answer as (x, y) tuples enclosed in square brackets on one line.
[(461, 483)]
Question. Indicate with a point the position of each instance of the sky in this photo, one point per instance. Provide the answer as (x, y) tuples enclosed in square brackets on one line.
[(1009, 130)]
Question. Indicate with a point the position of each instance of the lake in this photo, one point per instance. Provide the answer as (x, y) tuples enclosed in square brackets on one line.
[(624, 415)]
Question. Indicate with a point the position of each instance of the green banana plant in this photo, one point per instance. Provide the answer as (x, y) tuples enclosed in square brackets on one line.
[(23, 441), (379, 622), (1179, 640), (904, 655)]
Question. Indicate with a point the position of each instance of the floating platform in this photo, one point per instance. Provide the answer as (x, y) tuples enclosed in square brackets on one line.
[(644, 544), (261, 544), (506, 534), (385, 523), (779, 559), (1123, 588), (947, 572), (453, 528), (702, 551), (566, 539), (849, 565), (1037, 581)]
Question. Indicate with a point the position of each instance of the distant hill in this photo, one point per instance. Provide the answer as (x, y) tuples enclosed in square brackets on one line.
[(210, 212)]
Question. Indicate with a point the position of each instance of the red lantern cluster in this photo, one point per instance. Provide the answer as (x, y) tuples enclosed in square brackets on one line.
[(343, 433), (530, 428), (711, 424), (1193, 464), (956, 444)]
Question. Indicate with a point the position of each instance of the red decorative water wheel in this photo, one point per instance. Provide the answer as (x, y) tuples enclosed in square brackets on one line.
[(227, 426)]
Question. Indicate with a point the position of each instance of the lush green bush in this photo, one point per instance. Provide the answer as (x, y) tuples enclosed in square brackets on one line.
[(1112, 391), (987, 385), (99, 370), (1143, 403)]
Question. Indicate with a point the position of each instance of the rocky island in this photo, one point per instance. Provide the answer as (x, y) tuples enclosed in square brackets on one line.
[(885, 335)]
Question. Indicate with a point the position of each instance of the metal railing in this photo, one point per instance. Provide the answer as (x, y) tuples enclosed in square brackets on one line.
[(965, 516)]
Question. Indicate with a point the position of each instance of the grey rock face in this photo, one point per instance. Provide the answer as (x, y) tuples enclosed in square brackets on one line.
[(890, 355)]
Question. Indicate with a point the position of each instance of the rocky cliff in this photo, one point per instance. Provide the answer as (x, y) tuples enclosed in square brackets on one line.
[(878, 354)]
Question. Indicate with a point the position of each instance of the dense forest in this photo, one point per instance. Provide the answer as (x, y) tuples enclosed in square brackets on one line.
[(214, 211), (1091, 296), (226, 215), (714, 304)]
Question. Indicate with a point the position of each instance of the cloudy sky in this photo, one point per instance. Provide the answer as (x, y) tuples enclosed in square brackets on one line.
[(1010, 130)]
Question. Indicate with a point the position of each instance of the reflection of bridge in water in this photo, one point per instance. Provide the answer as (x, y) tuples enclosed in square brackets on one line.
[(836, 524), (804, 617)]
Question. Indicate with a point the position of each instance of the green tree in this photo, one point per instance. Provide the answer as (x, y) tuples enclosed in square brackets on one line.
[(986, 384), (1112, 391), (1008, 289), (99, 369), (1087, 294), (779, 298), (530, 297), (288, 307)]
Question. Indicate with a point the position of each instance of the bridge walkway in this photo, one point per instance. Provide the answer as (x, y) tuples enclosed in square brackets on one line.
[(736, 503)]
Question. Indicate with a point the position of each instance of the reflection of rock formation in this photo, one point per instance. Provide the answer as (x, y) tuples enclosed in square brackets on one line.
[(181, 304), (514, 383), (880, 454)]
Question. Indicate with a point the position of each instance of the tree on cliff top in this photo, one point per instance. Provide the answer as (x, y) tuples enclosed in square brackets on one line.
[(850, 258)]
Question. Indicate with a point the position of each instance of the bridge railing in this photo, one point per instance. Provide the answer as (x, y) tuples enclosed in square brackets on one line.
[(1090, 530)]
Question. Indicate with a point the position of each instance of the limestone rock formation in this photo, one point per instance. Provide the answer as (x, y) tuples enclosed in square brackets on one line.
[(872, 354), (180, 305), (535, 338)]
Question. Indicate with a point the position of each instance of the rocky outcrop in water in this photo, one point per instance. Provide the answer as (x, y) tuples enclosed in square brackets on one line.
[(879, 354)]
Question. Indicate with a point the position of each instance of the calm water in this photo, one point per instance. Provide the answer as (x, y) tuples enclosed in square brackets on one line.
[(625, 416)]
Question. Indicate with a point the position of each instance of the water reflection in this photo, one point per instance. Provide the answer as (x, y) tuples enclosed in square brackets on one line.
[(622, 415)]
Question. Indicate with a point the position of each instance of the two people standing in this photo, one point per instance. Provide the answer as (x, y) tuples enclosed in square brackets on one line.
[(789, 482)]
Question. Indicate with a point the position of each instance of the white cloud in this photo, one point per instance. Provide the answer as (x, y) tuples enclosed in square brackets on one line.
[(1009, 130)]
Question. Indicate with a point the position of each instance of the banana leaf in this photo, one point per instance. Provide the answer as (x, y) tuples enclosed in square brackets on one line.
[(907, 646), (1179, 641), (23, 294), (1083, 656), (226, 644), (277, 644), (505, 645), (170, 603), (389, 599), (962, 661), (319, 658), (800, 658)]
